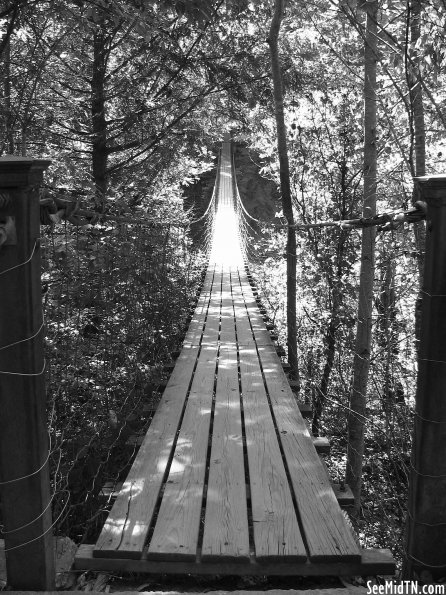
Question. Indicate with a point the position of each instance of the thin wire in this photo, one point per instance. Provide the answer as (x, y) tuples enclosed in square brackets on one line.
[(17, 266), (25, 374), (442, 476), (431, 421), (433, 361), (15, 547), (432, 294), (10, 481), (409, 514), (2, 527), (24, 340), (411, 557)]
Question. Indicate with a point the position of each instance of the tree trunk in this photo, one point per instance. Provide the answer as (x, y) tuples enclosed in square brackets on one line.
[(386, 338), (99, 123), (356, 418), (418, 137), (8, 143), (321, 391), (285, 185)]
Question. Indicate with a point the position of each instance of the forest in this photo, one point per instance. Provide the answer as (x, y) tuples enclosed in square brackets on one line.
[(129, 100)]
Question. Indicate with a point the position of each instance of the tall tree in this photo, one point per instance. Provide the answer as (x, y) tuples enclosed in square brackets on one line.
[(363, 341), (285, 185), (417, 132)]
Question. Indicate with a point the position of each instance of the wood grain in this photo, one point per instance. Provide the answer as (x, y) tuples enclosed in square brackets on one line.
[(212, 324), (372, 562), (166, 485), (261, 335), (177, 526), (127, 525), (326, 532), (195, 330), (243, 326), (276, 529), (226, 522), (227, 330)]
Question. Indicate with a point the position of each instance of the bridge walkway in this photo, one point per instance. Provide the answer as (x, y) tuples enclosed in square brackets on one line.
[(227, 479)]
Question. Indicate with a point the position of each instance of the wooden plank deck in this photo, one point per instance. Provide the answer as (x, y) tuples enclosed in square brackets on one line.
[(227, 479)]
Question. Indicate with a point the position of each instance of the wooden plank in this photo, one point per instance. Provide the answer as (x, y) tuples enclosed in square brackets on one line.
[(227, 330), (321, 444), (175, 536), (226, 535), (127, 525), (343, 493), (244, 331), (326, 532), (276, 529), (256, 322), (195, 330), (371, 562), (212, 325), (305, 409)]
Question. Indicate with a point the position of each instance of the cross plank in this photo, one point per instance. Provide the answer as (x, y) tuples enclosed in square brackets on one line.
[(226, 535), (276, 529), (127, 525), (326, 532), (173, 513)]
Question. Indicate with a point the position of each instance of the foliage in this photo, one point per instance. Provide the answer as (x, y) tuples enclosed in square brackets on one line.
[(110, 294), (129, 99)]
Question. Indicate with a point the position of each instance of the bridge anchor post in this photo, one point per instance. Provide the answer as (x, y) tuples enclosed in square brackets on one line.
[(24, 477), (426, 522)]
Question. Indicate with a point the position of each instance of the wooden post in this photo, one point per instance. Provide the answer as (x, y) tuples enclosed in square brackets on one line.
[(426, 524), (24, 478)]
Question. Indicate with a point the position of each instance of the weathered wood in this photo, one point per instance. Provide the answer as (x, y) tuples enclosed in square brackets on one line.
[(212, 324), (177, 527), (110, 489), (227, 330), (343, 494), (259, 330), (226, 534), (195, 330), (371, 562), (326, 533), (321, 444), (24, 476), (426, 535), (126, 528), (342, 491), (305, 409), (276, 529), (194, 507)]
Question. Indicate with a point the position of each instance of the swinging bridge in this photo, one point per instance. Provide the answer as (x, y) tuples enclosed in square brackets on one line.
[(227, 479)]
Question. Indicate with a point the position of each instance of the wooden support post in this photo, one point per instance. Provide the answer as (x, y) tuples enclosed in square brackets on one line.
[(24, 477), (426, 534)]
